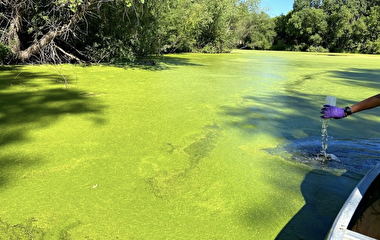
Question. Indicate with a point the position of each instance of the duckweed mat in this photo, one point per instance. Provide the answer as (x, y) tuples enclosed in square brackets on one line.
[(178, 150)]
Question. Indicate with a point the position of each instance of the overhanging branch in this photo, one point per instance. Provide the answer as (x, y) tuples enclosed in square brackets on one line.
[(52, 34)]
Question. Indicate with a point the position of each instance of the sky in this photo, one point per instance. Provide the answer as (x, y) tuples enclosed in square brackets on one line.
[(276, 7)]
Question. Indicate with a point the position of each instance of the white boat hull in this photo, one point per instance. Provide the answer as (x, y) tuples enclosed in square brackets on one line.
[(351, 224)]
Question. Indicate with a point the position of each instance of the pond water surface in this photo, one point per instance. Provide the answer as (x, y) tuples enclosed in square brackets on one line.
[(196, 147)]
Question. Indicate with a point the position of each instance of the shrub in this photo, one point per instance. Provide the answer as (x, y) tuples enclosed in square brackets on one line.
[(300, 47), (317, 49), (281, 45), (4, 52)]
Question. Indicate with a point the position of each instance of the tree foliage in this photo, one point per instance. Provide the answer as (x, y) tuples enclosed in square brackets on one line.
[(31, 27), (55, 31), (58, 31), (330, 25), (113, 30)]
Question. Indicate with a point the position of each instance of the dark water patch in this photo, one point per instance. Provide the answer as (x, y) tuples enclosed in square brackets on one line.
[(202, 147), (324, 194), (31, 230), (352, 155), (20, 231), (170, 182), (359, 77)]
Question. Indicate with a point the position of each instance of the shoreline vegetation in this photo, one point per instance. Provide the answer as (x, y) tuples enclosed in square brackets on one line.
[(89, 31)]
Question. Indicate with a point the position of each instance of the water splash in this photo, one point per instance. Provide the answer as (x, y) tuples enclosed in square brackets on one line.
[(325, 139), (355, 155), (323, 156)]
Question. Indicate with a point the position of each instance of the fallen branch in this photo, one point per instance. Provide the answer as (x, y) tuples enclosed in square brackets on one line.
[(71, 56), (52, 34)]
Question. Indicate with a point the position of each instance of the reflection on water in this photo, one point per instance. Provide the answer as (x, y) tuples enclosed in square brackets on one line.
[(352, 155)]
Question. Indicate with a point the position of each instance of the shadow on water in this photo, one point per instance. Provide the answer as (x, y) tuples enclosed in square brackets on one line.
[(156, 63), (352, 155), (360, 77), (296, 112), (324, 194), (294, 116), (33, 100)]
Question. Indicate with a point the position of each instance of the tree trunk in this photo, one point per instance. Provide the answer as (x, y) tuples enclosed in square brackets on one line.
[(14, 28), (37, 46), (48, 37)]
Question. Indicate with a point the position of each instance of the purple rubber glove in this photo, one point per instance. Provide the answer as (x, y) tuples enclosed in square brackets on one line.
[(329, 111)]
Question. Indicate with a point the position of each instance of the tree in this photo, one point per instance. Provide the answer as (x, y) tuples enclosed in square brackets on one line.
[(120, 31), (282, 40), (32, 26), (180, 23), (262, 33), (112, 30), (372, 21), (337, 25), (308, 27), (203, 25), (253, 28), (215, 36), (39, 29)]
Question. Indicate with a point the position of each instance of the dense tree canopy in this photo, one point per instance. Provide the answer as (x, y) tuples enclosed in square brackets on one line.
[(330, 25), (113, 30)]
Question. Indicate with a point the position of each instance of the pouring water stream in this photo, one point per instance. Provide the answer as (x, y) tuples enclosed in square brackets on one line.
[(323, 156)]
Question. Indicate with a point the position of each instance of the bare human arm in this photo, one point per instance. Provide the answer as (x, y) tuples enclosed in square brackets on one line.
[(338, 113), (368, 103)]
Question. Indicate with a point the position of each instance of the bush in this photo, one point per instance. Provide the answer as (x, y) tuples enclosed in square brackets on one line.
[(281, 46), (4, 52), (300, 47), (317, 49), (372, 47)]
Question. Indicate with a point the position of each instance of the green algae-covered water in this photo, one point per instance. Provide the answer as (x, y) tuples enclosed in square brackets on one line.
[(196, 147)]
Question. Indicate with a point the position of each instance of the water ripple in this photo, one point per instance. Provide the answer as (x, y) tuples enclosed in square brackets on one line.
[(353, 155)]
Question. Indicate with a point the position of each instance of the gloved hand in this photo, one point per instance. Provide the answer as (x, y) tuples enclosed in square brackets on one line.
[(329, 111)]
